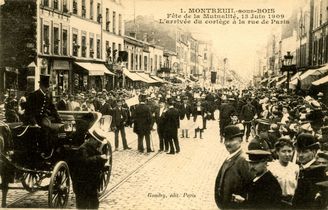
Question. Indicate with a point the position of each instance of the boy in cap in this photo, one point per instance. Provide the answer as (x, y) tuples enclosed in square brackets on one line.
[(305, 194), (264, 192), (86, 179), (234, 175)]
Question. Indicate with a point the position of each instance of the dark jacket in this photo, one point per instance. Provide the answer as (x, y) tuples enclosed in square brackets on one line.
[(62, 105), (86, 168), (232, 178), (265, 193), (119, 117), (306, 190), (142, 119), (38, 106), (171, 121), (247, 112), (185, 111), (105, 109)]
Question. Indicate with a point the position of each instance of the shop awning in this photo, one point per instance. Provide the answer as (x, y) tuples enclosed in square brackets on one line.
[(181, 79), (281, 81), (264, 80), (158, 79), (146, 77), (133, 76), (321, 81), (95, 69)]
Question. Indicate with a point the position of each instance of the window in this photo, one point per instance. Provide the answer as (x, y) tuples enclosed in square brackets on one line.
[(140, 62), (98, 13), (114, 50), (145, 63), (75, 45), (108, 50), (91, 9), (119, 47), (151, 64), (98, 48), (83, 9), (91, 47), (160, 61), (155, 66), (114, 22), (55, 4), (46, 3), (46, 39), (65, 9), (107, 19), (136, 68), (132, 58), (119, 24), (56, 41), (84, 46), (75, 7), (64, 42)]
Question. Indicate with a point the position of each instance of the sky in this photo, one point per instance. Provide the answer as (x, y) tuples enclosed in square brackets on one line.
[(238, 43)]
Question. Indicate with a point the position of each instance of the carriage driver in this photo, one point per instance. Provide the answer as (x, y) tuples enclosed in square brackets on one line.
[(40, 111)]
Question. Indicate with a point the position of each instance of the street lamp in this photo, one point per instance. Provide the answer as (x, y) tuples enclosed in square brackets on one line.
[(288, 67)]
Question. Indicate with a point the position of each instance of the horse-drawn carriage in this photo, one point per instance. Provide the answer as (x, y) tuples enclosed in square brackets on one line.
[(22, 158)]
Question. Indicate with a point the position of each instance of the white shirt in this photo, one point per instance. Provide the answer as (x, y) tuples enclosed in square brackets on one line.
[(286, 175)]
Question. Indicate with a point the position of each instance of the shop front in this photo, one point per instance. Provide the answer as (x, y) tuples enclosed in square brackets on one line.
[(89, 76)]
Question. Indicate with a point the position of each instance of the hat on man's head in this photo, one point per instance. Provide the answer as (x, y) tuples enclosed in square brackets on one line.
[(258, 150), (232, 131), (306, 141), (44, 80)]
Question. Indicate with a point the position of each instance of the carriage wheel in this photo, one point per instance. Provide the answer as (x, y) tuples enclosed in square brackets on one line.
[(107, 170), (59, 186), (31, 181)]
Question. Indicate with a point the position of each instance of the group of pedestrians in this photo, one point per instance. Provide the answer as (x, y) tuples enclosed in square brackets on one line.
[(285, 165)]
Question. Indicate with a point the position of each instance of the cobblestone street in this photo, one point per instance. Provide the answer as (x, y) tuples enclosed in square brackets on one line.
[(155, 180), (182, 181)]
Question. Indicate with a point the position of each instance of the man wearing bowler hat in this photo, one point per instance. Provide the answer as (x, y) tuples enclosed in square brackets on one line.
[(306, 192), (264, 192), (234, 174), (40, 111)]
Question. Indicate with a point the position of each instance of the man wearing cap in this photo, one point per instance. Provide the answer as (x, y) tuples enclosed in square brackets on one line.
[(86, 167), (306, 191), (234, 175), (41, 111), (264, 192)]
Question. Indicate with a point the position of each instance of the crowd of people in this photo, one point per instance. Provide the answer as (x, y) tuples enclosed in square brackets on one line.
[(287, 136)]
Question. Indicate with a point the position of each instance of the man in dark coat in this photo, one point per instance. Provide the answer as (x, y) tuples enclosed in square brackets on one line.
[(172, 124), (119, 120), (142, 119), (234, 175), (307, 190), (264, 192), (185, 110), (63, 103), (247, 114), (160, 120), (226, 110), (86, 168), (41, 111)]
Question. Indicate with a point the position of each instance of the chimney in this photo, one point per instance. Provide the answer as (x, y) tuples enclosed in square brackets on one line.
[(145, 37), (133, 34)]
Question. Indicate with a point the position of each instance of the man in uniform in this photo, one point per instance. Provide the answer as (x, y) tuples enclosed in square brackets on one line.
[(40, 111)]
